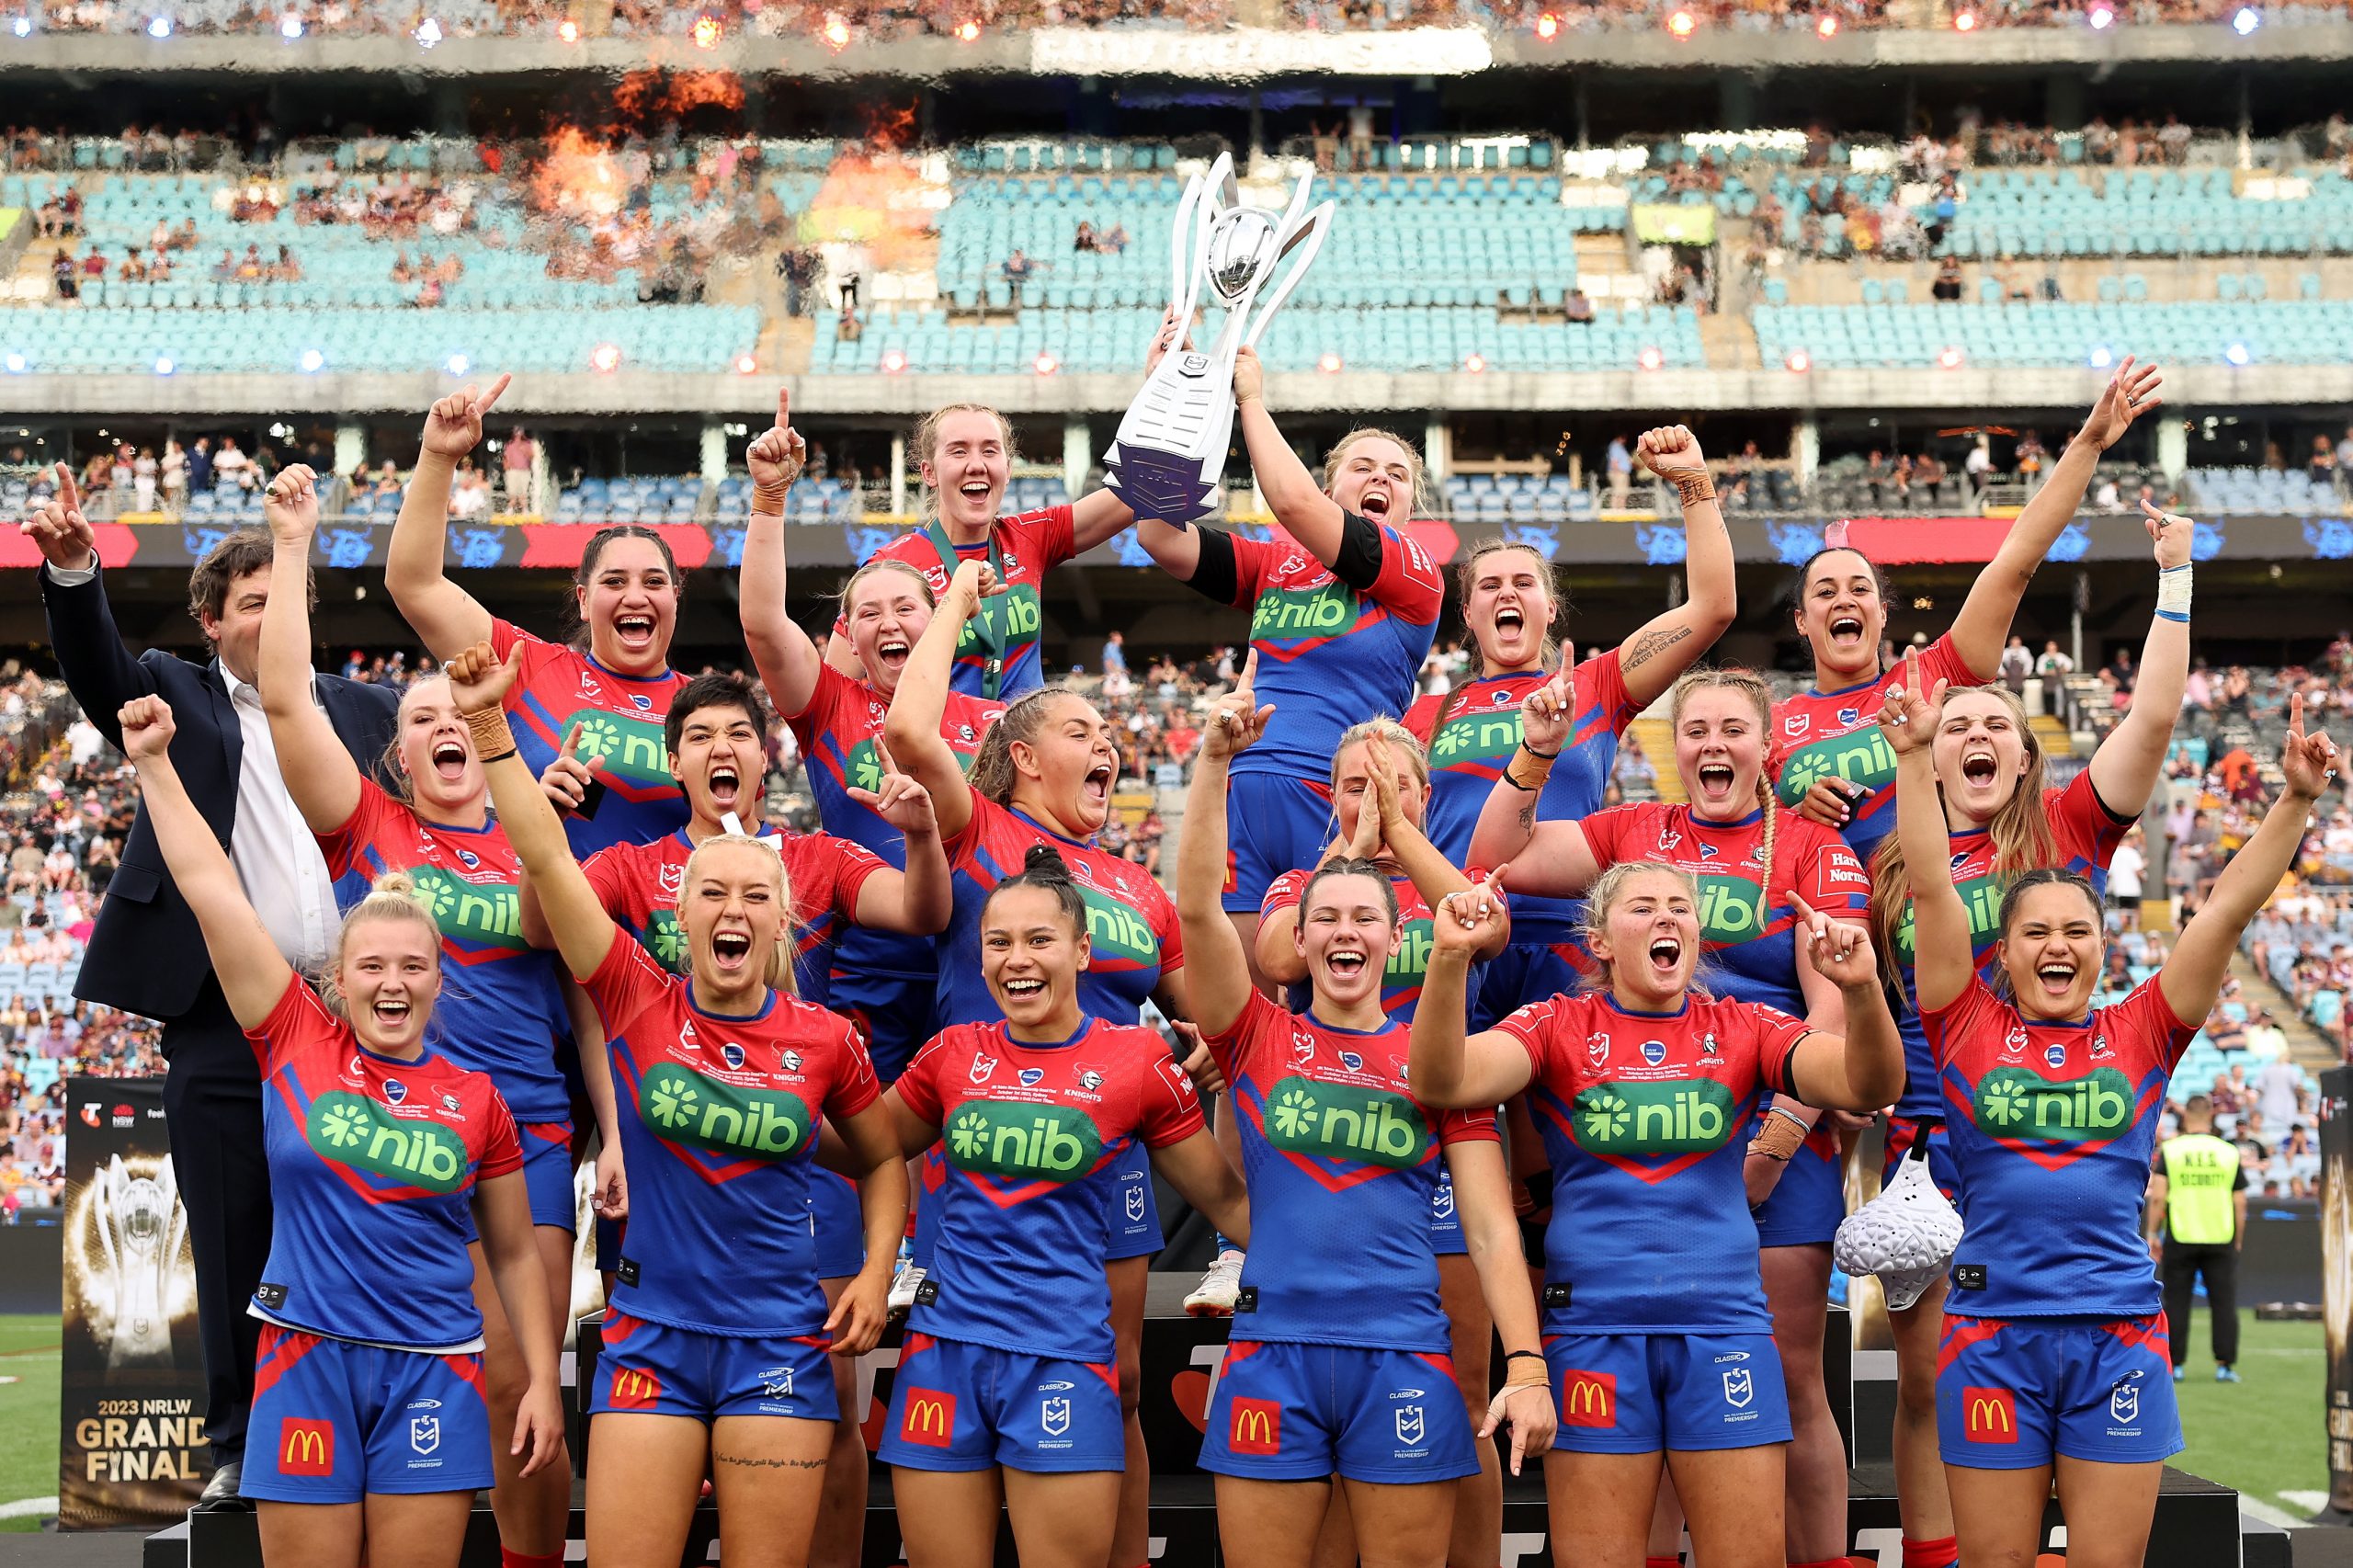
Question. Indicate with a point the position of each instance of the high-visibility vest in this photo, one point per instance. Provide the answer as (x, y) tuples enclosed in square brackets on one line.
[(2201, 1170)]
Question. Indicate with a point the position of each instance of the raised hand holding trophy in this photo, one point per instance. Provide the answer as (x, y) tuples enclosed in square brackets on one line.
[(1170, 451)]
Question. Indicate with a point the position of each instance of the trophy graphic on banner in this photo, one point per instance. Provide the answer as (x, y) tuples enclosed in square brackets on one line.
[(1170, 451), (140, 1225)]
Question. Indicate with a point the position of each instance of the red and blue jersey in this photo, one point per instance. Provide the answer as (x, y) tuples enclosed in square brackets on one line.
[(1400, 979), (2054, 1125), (719, 1124), (501, 1009), (1835, 734), (1644, 1116), (621, 720), (372, 1166), (1006, 631), (1328, 656), (836, 734), (2084, 835), (1131, 924), (1748, 924), (639, 884), (1023, 1230), (1342, 1163)]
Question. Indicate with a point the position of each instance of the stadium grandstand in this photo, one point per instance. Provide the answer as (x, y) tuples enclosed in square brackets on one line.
[(1878, 254)]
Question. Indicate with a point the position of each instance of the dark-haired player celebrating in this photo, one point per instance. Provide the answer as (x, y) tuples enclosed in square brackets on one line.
[(2054, 1351), (1007, 1386), (1341, 1331)]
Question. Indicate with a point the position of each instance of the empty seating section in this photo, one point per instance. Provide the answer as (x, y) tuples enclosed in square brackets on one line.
[(1517, 498), (2041, 213), (2054, 333), (2267, 491)]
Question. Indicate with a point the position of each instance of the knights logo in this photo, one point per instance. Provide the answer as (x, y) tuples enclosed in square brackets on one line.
[(790, 1061), (1709, 1050), (1090, 1080)]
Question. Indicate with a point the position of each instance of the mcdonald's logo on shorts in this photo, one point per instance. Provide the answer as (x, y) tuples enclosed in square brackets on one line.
[(1256, 1426), (634, 1388), (930, 1419), (1589, 1398), (1989, 1415), (305, 1448)]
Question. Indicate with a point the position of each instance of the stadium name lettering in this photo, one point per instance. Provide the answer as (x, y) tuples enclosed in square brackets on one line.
[(1730, 909), (1051, 1143), (1343, 1121), (1672, 1116), (351, 1131), (1486, 735), (1322, 612), (1118, 928), (684, 1107), (2017, 1102)]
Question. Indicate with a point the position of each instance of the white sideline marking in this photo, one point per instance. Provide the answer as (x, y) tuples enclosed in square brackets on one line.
[(28, 1507)]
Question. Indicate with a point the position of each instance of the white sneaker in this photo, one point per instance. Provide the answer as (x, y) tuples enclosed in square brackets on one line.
[(904, 1284), (1219, 1288)]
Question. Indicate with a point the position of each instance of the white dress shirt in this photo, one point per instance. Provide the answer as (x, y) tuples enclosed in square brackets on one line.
[(276, 857)]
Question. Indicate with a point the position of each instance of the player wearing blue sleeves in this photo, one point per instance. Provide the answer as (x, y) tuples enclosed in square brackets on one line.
[(370, 1434), (2054, 1357)]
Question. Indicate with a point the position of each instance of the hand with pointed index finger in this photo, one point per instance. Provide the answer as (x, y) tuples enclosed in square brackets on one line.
[(2308, 761), (1907, 715), (776, 457), (1841, 950), (59, 532), (2172, 533), (453, 424), (568, 780)]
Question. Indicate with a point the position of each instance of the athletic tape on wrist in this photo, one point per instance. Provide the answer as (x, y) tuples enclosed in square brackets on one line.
[(2173, 593)]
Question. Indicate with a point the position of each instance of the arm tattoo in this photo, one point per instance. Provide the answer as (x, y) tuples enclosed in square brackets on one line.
[(1528, 816), (1650, 644), (750, 1462)]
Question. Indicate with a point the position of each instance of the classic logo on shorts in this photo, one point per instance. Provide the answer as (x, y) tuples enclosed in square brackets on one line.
[(1487, 737), (1989, 1415), (305, 1448), (1588, 1399), (2015, 1103), (1116, 932), (684, 1107), (631, 749), (346, 1129), (1340, 1122), (481, 915), (1256, 1426), (1668, 1115), (930, 1419), (634, 1388), (1035, 1143), (1304, 615), (1859, 757)]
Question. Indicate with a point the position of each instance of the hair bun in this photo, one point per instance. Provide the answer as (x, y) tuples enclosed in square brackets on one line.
[(1044, 859), (394, 884)]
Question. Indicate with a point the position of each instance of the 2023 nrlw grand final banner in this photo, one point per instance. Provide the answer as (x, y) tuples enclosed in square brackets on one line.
[(131, 1405)]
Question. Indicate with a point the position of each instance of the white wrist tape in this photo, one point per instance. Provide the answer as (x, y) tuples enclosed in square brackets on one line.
[(2173, 593)]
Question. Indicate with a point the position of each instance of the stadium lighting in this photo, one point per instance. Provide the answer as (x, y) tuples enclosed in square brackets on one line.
[(836, 32), (427, 34), (894, 361), (2247, 20), (745, 364), (163, 366), (2102, 357), (161, 27), (706, 32), (1826, 26), (1650, 358), (23, 27), (967, 30), (1951, 359), (1045, 364), (1799, 361), (290, 26), (1328, 362), (311, 361), (568, 30), (1682, 24), (458, 364), (2100, 17), (15, 363), (1477, 364), (605, 356), (2237, 354), (1547, 26), (1965, 23)]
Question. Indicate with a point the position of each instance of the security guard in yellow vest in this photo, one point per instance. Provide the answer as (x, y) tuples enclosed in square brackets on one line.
[(2197, 1220)]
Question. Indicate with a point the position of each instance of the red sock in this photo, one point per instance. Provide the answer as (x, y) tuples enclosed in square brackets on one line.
[(510, 1558), (1941, 1553)]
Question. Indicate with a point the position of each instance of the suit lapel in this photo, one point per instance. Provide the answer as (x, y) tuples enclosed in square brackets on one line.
[(224, 715)]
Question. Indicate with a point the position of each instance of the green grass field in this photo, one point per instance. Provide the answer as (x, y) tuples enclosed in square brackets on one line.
[(28, 1352)]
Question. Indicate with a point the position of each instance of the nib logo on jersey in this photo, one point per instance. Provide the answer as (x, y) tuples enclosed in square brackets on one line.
[(1731, 909), (1014, 614), (1859, 757), (628, 750), (1297, 615), (1665, 1116), (705, 1112), (348, 1130), (1120, 936), (1032, 1143), (2017, 1104), (1980, 896), (485, 913), (1475, 737), (1343, 1121)]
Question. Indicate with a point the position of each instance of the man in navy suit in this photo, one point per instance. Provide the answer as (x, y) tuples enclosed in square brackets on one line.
[(147, 954)]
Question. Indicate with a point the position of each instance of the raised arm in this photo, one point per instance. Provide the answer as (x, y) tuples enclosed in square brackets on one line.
[(912, 728), (1563, 864), (320, 774), (1298, 504), (1214, 955), (1449, 1071), (921, 900), (1435, 876), (1984, 623), (583, 932), (1942, 959), (449, 619), (2192, 975), (787, 659), (98, 669), (1861, 1069), (1655, 656), (2125, 768), (1101, 513), (252, 973)]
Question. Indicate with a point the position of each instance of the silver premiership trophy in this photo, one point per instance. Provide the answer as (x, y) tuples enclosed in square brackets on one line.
[(141, 1226), (1170, 451)]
